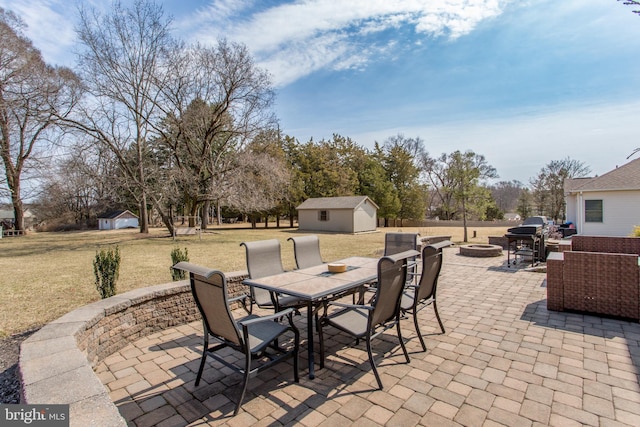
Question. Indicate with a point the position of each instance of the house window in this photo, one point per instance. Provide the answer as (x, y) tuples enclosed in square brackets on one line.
[(593, 210), (323, 216)]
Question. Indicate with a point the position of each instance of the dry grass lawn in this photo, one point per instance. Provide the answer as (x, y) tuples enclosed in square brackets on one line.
[(45, 275)]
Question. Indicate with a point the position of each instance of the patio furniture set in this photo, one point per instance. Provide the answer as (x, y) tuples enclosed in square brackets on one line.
[(383, 291)]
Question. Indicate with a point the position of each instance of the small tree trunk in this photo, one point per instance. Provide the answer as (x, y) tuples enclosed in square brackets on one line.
[(168, 222), (144, 218), (219, 213), (464, 220), (205, 214), (291, 217), (18, 209), (193, 215)]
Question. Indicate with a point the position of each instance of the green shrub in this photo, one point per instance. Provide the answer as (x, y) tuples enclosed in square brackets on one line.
[(106, 267), (176, 256), (636, 231)]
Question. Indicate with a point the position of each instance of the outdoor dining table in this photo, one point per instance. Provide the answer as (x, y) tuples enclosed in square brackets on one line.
[(316, 284)]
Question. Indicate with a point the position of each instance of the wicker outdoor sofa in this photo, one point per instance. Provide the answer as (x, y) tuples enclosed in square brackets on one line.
[(597, 275)]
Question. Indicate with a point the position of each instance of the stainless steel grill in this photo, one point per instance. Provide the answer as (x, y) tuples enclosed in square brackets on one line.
[(526, 242)]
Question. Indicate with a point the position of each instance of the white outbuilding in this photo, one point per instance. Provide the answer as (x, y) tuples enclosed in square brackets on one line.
[(349, 214), (115, 220)]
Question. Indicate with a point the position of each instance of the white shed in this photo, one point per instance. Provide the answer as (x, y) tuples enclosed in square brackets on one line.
[(350, 214), (607, 205), (8, 216), (117, 219)]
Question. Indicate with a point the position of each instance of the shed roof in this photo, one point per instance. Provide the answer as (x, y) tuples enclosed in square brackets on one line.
[(9, 213), (625, 177), (116, 214), (345, 202)]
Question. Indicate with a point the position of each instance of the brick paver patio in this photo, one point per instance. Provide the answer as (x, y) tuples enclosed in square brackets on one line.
[(504, 360)]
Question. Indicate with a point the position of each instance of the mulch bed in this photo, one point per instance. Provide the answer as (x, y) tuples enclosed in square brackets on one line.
[(9, 355)]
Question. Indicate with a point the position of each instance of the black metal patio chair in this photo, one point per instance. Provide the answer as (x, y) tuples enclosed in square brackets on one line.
[(371, 320), (307, 251), (400, 242), (417, 297), (254, 336), (264, 259)]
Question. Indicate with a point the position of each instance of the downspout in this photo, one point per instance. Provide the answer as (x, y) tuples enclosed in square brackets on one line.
[(580, 210)]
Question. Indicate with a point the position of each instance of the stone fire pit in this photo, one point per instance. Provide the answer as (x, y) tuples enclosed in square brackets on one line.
[(480, 250)]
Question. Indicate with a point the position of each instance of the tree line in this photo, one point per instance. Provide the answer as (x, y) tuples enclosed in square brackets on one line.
[(149, 123)]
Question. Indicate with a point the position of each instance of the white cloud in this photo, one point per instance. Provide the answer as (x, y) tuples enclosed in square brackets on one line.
[(327, 33), (297, 59), (384, 23), (290, 39), (50, 26), (216, 13)]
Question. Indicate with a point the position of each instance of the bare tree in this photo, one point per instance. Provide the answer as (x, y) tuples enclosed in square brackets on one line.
[(506, 194), (171, 114), (459, 179), (81, 185), (123, 63), (469, 170), (215, 102), (524, 203), (260, 184), (548, 186), (631, 3), (442, 182), (34, 98)]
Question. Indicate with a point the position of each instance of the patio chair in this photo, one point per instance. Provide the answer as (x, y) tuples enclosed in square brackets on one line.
[(370, 321), (400, 242), (254, 336), (264, 259), (307, 251), (417, 297)]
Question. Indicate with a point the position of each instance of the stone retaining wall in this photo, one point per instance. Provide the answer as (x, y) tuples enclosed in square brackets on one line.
[(428, 240), (56, 363), (500, 241)]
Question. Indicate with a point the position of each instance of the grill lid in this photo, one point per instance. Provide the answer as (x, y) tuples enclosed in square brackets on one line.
[(526, 229)]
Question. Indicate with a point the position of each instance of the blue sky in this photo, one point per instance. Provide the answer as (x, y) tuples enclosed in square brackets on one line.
[(521, 82)]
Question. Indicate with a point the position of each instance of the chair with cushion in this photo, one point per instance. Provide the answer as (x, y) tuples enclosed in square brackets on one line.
[(422, 295), (307, 251), (371, 320), (400, 242), (254, 336), (264, 259)]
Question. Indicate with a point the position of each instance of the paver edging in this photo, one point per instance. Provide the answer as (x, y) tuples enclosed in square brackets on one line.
[(56, 363)]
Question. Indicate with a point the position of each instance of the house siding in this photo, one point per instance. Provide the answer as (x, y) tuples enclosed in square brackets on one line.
[(123, 220), (340, 220), (571, 208), (365, 218), (349, 214), (126, 223), (620, 212)]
